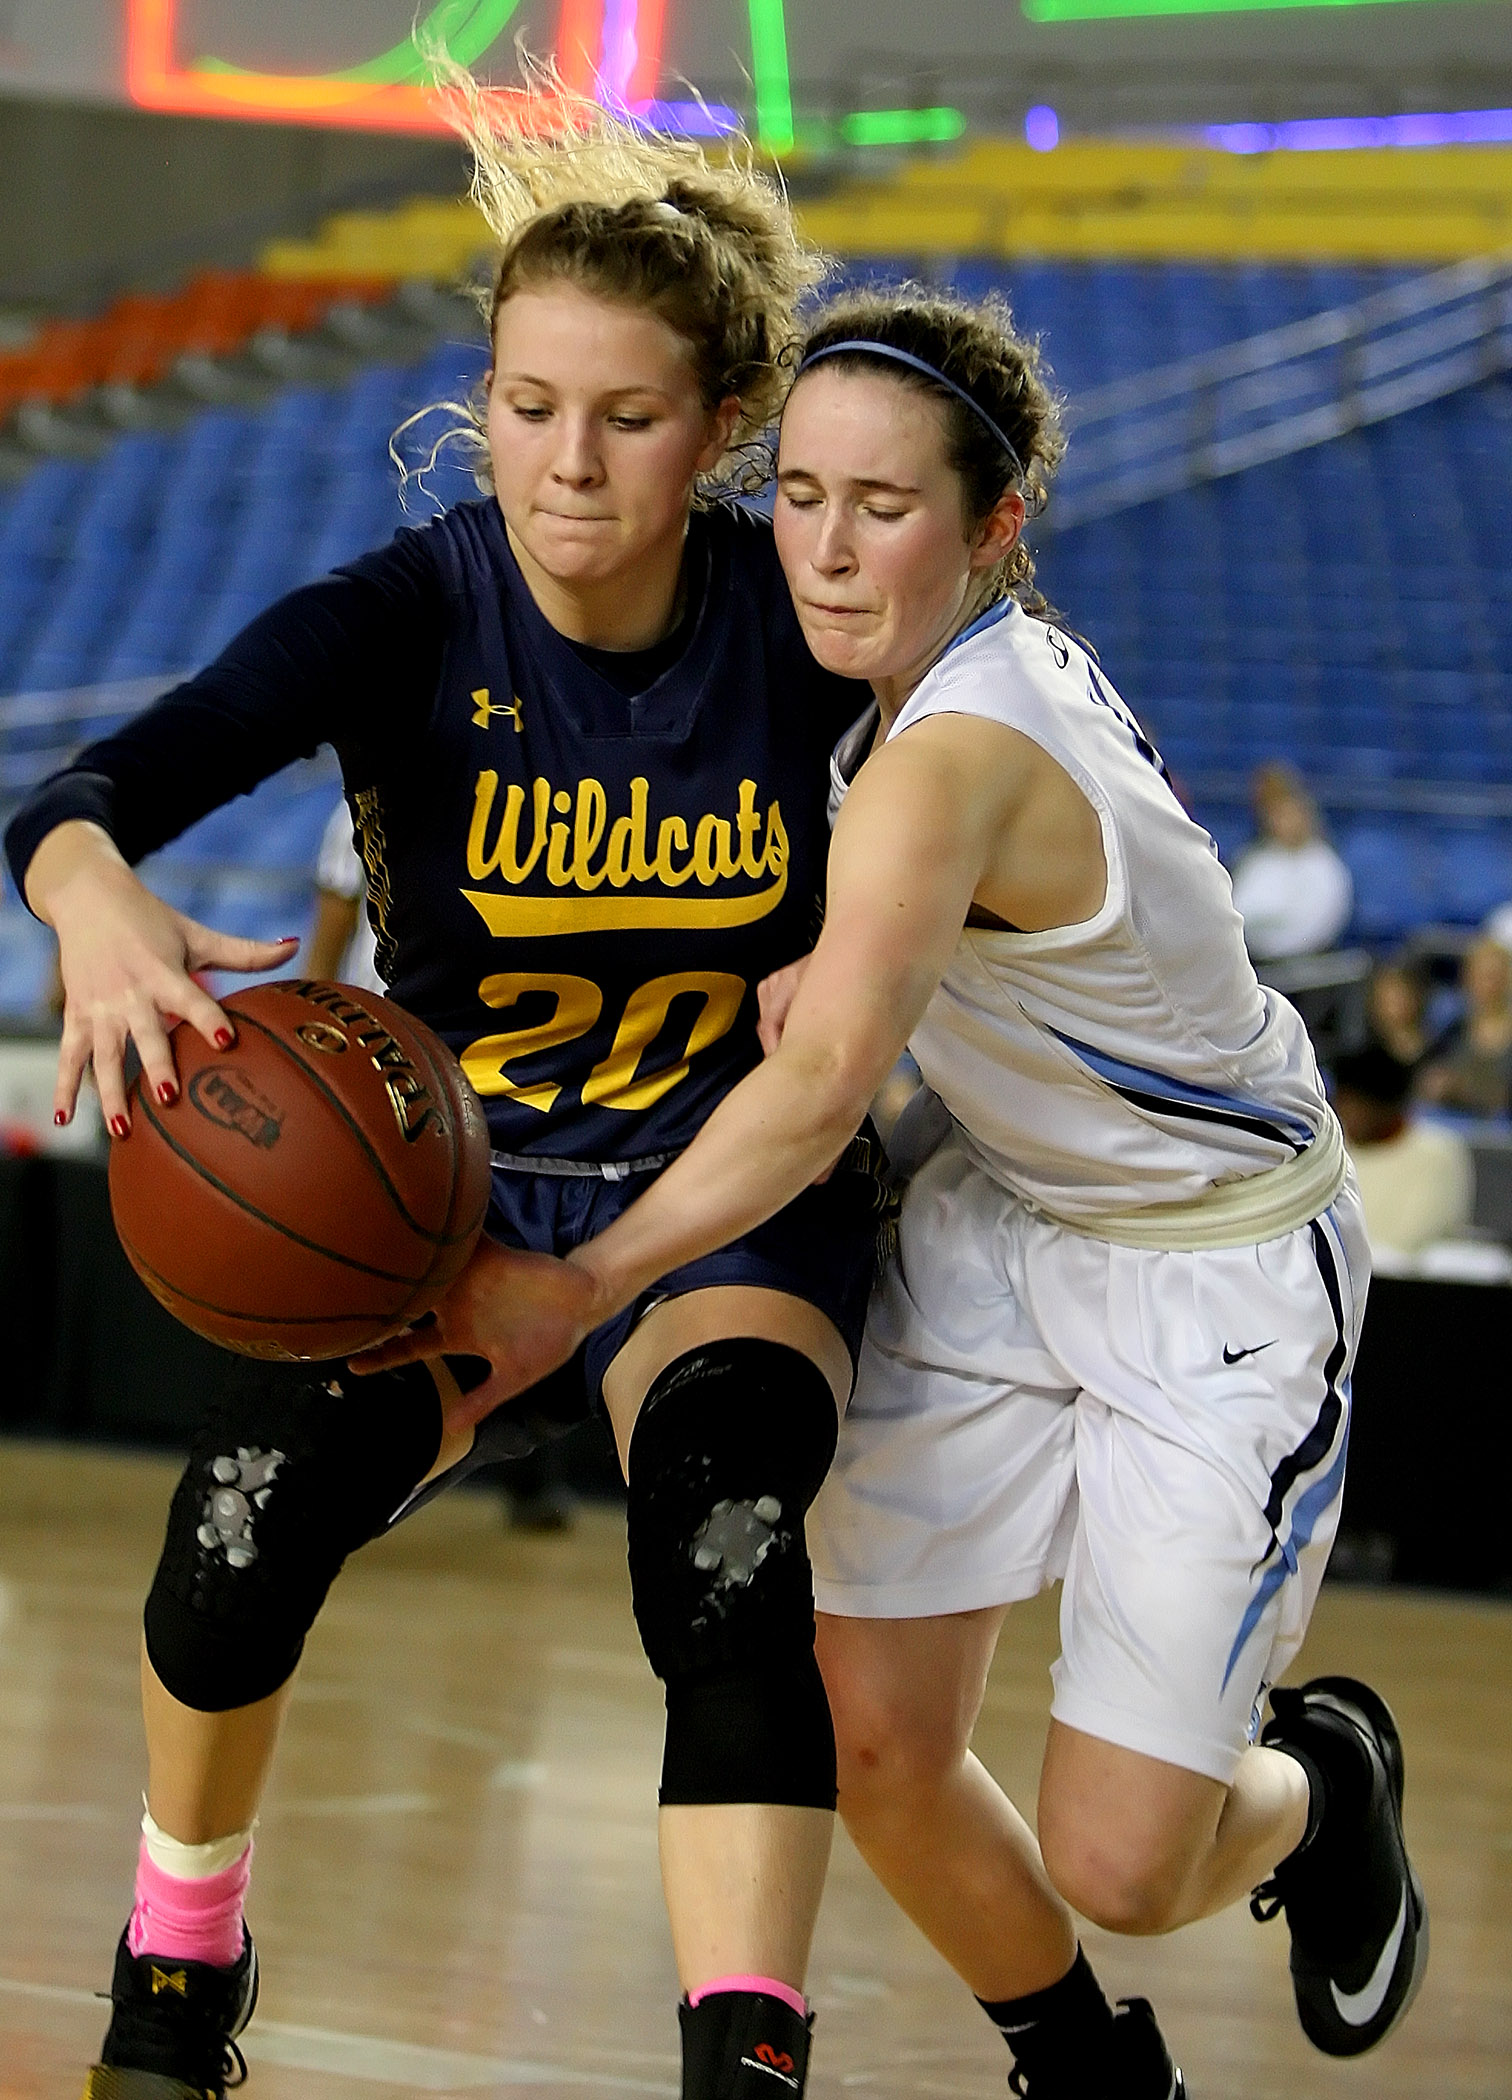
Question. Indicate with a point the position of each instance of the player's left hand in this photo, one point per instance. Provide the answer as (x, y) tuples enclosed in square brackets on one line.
[(524, 1313)]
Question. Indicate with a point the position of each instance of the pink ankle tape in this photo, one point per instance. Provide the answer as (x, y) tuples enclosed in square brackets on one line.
[(189, 1920), (767, 1985)]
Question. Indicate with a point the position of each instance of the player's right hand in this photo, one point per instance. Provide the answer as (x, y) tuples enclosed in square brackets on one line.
[(774, 999), (524, 1313), (126, 960)]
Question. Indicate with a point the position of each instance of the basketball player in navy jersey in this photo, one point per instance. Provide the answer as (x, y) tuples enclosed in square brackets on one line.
[(585, 747)]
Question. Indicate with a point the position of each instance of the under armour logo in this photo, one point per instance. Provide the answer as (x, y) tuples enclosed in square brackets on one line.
[(484, 711), (169, 1980)]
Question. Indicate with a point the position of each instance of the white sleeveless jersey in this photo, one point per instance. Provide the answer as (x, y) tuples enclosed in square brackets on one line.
[(1134, 1058)]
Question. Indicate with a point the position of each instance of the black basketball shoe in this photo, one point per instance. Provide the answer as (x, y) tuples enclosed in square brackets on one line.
[(1359, 1924), (172, 2033), (1136, 2065), (1141, 2062)]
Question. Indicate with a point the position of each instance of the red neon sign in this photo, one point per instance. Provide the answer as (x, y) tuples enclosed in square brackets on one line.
[(156, 79)]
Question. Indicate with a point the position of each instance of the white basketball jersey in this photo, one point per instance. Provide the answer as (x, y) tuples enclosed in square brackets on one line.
[(1134, 1058)]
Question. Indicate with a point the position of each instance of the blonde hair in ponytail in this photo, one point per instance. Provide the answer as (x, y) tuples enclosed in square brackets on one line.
[(626, 214)]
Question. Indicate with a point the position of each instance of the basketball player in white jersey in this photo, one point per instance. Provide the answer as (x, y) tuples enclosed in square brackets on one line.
[(1115, 1341)]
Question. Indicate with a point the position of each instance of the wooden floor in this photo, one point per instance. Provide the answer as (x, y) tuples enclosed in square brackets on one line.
[(456, 1887)]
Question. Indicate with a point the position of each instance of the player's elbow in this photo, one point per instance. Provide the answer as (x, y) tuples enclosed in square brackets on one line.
[(833, 1081)]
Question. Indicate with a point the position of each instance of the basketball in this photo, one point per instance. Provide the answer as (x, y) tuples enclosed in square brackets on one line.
[(312, 1189)]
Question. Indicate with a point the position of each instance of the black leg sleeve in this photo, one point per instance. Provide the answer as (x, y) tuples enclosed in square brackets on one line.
[(287, 1476), (729, 1451)]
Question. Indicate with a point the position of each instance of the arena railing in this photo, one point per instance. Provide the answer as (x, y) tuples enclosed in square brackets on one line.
[(39, 732), (1204, 417), (1481, 802)]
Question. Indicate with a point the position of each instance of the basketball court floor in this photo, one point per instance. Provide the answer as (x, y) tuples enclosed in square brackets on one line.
[(457, 1889)]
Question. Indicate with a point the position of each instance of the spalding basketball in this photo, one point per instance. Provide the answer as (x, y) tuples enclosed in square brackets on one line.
[(313, 1188)]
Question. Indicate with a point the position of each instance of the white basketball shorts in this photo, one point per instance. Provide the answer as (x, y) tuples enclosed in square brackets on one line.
[(1164, 1431)]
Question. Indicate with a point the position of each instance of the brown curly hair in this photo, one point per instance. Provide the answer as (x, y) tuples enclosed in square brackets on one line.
[(975, 344), (708, 246)]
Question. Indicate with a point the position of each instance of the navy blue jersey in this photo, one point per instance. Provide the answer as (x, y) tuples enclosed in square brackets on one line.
[(579, 888)]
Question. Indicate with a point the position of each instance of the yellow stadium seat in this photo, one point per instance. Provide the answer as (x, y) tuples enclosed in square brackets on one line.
[(438, 238), (1113, 198)]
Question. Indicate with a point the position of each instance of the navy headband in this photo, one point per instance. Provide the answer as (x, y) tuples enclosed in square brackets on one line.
[(917, 364)]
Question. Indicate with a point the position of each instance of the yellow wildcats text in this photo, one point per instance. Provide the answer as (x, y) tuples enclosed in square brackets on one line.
[(573, 842)]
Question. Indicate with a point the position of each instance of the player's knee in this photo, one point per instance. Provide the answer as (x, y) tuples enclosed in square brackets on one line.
[(1113, 1877), (898, 1740), (1120, 1900), (728, 1452), (289, 1474), (889, 1757)]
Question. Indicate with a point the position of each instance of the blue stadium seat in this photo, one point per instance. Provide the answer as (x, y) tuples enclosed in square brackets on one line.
[(26, 960), (259, 909), (1474, 874), (1393, 889)]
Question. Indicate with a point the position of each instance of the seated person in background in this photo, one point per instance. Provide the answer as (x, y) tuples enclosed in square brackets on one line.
[(1498, 926), (342, 943), (1398, 1010), (1417, 1180), (1291, 889), (1474, 1074)]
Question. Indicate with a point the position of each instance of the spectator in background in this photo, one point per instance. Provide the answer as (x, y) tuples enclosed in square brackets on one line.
[(1292, 891), (1475, 1072), (1416, 1180), (1499, 926), (1398, 1012), (342, 944)]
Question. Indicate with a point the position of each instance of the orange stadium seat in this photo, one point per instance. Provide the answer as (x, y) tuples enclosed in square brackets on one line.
[(137, 341)]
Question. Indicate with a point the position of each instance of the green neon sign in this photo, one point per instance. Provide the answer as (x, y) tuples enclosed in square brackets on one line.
[(1104, 10), (776, 130), (902, 127), (769, 69), (465, 28)]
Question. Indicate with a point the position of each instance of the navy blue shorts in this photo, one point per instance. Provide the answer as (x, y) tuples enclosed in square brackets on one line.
[(823, 1248)]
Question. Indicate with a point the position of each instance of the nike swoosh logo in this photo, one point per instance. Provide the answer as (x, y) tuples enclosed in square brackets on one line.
[(1235, 1356), (1358, 2008)]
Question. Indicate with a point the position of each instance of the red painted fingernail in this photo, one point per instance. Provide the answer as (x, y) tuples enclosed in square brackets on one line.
[(224, 1039), (60, 1117), (119, 1126), (285, 938), (167, 1093)]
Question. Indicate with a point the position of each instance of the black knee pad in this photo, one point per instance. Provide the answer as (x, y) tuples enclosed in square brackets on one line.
[(288, 1475), (728, 1452)]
